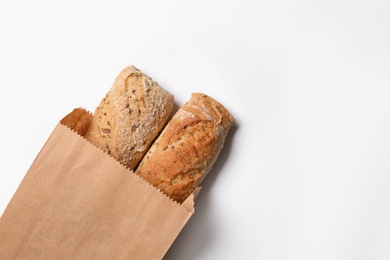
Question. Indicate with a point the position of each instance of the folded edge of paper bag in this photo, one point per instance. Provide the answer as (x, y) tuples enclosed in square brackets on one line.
[(76, 202)]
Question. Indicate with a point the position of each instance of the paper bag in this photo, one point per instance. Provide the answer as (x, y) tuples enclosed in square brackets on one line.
[(77, 202)]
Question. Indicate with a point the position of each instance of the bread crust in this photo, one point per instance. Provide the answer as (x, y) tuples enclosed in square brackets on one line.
[(130, 117), (185, 151), (78, 120)]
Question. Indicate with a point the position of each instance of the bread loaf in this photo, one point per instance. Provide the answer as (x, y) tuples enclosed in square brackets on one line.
[(78, 120), (130, 117), (187, 148)]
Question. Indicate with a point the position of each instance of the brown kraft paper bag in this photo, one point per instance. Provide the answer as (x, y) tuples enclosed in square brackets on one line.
[(77, 202)]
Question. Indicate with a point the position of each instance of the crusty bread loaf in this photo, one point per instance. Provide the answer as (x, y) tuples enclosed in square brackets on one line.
[(187, 148), (78, 120), (130, 117)]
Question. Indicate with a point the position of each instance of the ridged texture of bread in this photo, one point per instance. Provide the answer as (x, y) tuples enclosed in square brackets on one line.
[(78, 120), (187, 148), (130, 117)]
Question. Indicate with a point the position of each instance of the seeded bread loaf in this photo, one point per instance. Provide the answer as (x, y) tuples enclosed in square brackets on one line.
[(187, 148), (130, 117), (78, 120)]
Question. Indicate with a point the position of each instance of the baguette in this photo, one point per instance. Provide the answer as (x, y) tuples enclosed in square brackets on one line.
[(185, 151), (130, 117)]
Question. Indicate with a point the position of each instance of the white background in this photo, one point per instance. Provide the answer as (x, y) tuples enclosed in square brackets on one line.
[(305, 174)]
